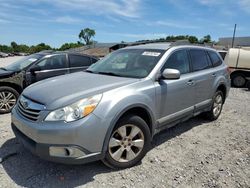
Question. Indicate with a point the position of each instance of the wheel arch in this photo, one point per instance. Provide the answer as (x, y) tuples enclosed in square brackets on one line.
[(12, 85), (222, 87), (137, 109)]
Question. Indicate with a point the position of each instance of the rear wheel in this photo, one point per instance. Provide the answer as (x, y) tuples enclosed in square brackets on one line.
[(8, 99), (128, 144), (217, 106), (238, 80)]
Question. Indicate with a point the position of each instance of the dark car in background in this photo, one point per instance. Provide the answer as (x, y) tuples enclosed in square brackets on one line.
[(17, 76)]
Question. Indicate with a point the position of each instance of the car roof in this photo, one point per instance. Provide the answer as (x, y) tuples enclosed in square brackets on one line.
[(166, 46), (51, 52), (158, 46)]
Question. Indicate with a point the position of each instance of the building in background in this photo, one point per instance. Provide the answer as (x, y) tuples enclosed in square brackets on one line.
[(238, 42)]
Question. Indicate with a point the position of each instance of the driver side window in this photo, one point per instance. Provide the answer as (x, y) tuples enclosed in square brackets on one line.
[(178, 60)]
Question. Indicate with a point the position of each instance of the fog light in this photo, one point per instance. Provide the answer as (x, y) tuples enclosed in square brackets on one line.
[(72, 152)]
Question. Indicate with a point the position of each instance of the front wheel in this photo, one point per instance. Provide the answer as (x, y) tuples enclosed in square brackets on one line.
[(8, 98), (217, 106), (128, 144)]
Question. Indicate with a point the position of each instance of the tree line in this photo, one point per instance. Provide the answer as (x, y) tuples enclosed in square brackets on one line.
[(14, 47), (85, 38), (190, 38)]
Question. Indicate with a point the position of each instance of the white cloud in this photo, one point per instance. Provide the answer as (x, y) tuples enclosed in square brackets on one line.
[(67, 20), (4, 21), (245, 5), (175, 24), (139, 36), (123, 8), (210, 2)]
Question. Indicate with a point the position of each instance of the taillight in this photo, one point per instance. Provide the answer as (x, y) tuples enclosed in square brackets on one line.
[(229, 70)]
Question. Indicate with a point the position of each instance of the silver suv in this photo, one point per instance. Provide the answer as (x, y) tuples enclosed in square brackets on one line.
[(112, 111)]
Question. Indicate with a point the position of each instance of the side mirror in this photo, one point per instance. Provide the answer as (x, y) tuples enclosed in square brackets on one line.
[(171, 74), (34, 69)]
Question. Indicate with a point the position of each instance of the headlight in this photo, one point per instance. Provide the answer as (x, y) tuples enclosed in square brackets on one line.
[(75, 111)]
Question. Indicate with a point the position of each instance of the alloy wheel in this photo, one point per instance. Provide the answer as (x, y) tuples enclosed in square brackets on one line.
[(7, 100), (126, 143), (218, 102)]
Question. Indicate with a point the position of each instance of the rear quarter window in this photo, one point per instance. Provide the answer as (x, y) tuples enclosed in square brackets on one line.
[(199, 59), (214, 58)]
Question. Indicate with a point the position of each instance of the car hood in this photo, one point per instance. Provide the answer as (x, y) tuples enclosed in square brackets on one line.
[(5, 73), (63, 90)]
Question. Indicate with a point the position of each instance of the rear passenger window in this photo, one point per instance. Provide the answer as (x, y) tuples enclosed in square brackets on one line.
[(79, 61), (178, 60), (215, 59), (199, 60)]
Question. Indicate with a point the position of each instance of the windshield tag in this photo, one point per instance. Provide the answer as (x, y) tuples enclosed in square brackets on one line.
[(155, 54)]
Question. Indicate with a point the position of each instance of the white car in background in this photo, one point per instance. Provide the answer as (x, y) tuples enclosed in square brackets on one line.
[(3, 54)]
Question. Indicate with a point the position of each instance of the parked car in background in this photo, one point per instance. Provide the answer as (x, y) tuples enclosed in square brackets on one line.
[(112, 111), (11, 54), (17, 76), (238, 60), (3, 54)]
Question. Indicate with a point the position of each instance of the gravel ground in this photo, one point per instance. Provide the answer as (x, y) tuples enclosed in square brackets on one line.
[(9, 60), (196, 153)]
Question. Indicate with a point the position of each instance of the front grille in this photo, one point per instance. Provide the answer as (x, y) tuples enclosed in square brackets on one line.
[(28, 113)]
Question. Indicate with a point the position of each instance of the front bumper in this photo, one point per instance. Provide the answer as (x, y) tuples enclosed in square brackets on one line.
[(85, 136)]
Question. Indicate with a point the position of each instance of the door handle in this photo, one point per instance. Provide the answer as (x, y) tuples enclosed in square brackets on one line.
[(214, 74), (190, 82)]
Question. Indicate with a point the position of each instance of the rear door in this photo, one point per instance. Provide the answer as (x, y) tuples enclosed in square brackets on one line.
[(78, 62), (54, 65), (203, 77)]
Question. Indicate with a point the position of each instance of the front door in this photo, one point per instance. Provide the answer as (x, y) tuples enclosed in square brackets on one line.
[(176, 97), (49, 67)]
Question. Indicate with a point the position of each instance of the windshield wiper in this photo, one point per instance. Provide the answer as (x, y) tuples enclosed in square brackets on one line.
[(109, 73)]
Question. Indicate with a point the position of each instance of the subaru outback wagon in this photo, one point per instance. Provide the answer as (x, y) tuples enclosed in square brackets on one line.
[(18, 75), (112, 111)]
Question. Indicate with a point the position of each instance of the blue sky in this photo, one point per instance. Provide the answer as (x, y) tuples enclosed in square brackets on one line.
[(58, 21)]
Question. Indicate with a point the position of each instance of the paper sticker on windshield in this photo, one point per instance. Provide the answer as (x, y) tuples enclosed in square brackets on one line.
[(32, 59), (154, 54)]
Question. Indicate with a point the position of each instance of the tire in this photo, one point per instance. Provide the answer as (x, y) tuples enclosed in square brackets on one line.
[(8, 99), (129, 142), (238, 80), (217, 105), (248, 85)]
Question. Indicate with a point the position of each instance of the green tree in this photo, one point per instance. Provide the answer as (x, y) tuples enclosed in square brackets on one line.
[(86, 35), (193, 39), (207, 39), (67, 46), (13, 45)]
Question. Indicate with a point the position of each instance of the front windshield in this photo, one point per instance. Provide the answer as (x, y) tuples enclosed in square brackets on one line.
[(135, 63), (23, 63)]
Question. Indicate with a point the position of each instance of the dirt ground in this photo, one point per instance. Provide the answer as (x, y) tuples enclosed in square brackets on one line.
[(196, 153)]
